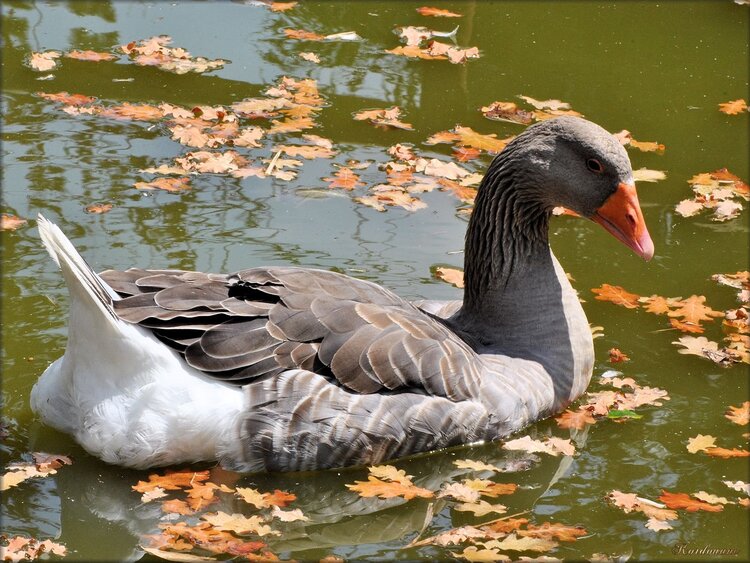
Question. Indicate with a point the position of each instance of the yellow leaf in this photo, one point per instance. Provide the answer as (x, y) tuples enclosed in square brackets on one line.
[(700, 443), (239, 524)]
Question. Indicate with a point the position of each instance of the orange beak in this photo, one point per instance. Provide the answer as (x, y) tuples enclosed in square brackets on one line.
[(621, 215)]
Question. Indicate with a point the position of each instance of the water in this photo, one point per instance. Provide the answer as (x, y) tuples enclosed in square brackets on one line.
[(658, 70)]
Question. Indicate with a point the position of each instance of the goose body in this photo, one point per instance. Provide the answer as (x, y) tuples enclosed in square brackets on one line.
[(287, 368)]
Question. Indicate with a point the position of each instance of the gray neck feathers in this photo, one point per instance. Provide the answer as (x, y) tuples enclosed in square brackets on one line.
[(509, 224)]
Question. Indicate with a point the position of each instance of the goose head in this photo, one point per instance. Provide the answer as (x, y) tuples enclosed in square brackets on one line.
[(574, 163)]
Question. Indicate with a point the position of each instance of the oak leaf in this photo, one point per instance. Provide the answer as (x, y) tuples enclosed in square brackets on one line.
[(44, 61), (303, 35), (526, 543), (616, 356), (657, 304), (616, 295), (176, 506), (153, 494), (437, 12), (288, 515), (460, 492), (90, 56), (734, 107), (10, 222), (481, 508), (689, 207), (171, 480), (391, 197), (739, 415), (575, 419), (700, 443), (281, 6), (388, 489), (475, 465), (98, 208), (67, 99), (647, 146), (711, 499), (481, 555), (390, 473), (166, 184), (726, 453), (657, 525), (738, 486), (545, 104), (682, 501), (489, 143), (693, 310), (343, 178), (646, 175), (556, 530), (310, 57), (507, 111), (450, 275), (239, 524), (279, 498)]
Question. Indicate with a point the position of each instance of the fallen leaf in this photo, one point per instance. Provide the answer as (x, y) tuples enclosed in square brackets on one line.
[(303, 35), (10, 222), (526, 543), (657, 525), (171, 481), (734, 107), (475, 554), (20, 548), (153, 494), (459, 492), (507, 111), (281, 6), (98, 208), (475, 465), (647, 146), (481, 508), (739, 415), (437, 12), (682, 501), (288, 515), (616, 356), (646, 175), (174, 555), (239, 524), (44, 61), (726, 453), (343, 178), (689, 207), (548, 104), (575, 419), (740, 486), (90, 56), (616, 295), (450, 275), (166, 184), (67, 99), (310, 57), (553, 446), (700, 443), (711, 499), (176, 506), (555, 530)]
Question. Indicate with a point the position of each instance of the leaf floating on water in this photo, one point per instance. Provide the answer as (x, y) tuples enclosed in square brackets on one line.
[(616, 295), (734, 107), (616, 356), (682, 501), (98, 208), (154, 52), (646, 175), (740, 486), (437, 12), (739, 415), (545, 104), (717, 191), (20, 548), (239, 524), (166, 184), (552, 446), (67, 99), (383, 117), (726, 453), (171, 481), (700, 443), (90, 56), (44, 61), (10, 222), (387, 482), (310, 57), (450, 275), (575, 419)]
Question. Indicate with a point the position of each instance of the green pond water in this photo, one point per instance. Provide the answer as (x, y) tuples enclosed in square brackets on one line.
[(657, 69)]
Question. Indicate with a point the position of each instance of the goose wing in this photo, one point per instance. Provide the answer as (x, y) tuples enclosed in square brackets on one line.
[(260, 322)]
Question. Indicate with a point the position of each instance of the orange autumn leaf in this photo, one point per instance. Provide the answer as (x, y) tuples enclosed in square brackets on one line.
[(166, 184), (556, 530), (67, 99), (171, 480), (464, 193), (657, 304), (176, 506), (443, 137), (507, 111), (90, 56), (10, 222), (205, 536), (139, 112), (281, 6), (682, 501), (575, 419), (437, 12), (693, 310), (647, 146), (739, 415), (616, 295), (303, 35), (464, 154), (489, 143), (686, 326), (450, 275), (726, 453), (343, 178), (98, 208), (616, 356), (734, 107), (279, 498), (375, 487)]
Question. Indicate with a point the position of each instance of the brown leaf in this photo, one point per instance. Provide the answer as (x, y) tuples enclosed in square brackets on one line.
[(176, 506), (700, 443), (575, 419), (10, 222), (98, 208), (657, 304), (693, 310), (481, 508), (44, 61), (450, 275), (682, 501), (343, 178), (647, 146), (166, 184), (171, 480), (90, 56), (67, 99), (514, 543), (382, 489), (303, 35), (546, 104), (310, 57), (686, 326), (739, 415), (27, 549), (734, 107), (550, 531), (507, 111), (616, 356), (239, 524), (726, 453), (206, 537), (616, 295), (437, 12), (281, 6)]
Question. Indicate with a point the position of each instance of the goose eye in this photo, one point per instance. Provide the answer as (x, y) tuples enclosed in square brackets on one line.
[(594, 165)]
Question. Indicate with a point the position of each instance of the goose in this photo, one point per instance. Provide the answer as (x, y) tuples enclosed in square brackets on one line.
[(291, 368)]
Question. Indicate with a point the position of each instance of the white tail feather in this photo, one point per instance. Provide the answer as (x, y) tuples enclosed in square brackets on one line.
[(83, 283)]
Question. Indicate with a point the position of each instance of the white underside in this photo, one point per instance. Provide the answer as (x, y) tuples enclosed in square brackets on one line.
[(126, 397)]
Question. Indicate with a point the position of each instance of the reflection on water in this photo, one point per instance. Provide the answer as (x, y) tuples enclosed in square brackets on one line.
[(657, 70)]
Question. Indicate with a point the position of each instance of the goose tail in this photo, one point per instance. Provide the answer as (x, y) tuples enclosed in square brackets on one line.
[(84, 285)]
